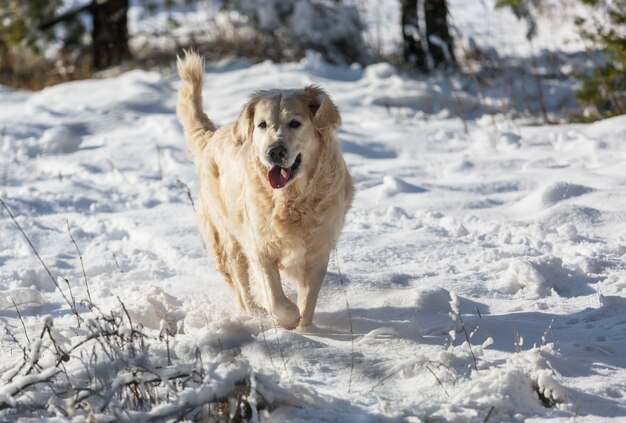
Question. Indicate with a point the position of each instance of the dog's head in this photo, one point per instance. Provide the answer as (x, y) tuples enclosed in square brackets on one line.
[(287, 129)]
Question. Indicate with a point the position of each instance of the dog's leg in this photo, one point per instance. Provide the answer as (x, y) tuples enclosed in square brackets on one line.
[(238, 264), (220, 247), (309, 289), (222, 263), (284, 311)]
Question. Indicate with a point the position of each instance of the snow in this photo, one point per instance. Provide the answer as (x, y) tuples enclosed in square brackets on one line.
[(482, 26), (480, 274), (500, 30)]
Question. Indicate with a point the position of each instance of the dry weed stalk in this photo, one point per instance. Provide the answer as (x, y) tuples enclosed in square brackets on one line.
[(108, 369), (71, 302)]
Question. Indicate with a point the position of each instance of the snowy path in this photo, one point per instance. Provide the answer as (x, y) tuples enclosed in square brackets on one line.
[(527, 225)]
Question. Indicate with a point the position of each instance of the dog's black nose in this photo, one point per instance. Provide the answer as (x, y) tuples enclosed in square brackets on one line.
[(277, 154)]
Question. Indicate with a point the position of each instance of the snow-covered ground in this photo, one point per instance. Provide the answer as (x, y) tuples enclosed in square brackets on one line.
[(519, 230), (481, 274), (490, 28)]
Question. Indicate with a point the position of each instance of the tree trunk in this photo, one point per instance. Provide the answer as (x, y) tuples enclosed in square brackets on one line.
[(438, 49), (440, 45), (110, 33), (412, 50)]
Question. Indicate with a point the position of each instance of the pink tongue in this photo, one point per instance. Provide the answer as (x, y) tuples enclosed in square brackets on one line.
[(278, 176)]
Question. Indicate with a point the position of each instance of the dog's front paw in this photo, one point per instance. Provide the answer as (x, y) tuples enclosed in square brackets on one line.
[(286, 314)]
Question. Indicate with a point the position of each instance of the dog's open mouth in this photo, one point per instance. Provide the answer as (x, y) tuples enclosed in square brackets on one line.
[(279, 176)]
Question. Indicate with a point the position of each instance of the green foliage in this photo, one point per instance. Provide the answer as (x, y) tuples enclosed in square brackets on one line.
[(524, 10), (603, 90), (19, 20)]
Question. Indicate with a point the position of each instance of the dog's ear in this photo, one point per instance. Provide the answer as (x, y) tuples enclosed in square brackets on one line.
[(244, 125), (324, 112)]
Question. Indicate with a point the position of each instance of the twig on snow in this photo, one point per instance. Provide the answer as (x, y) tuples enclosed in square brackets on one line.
[(345, 294), (54, 281), (82, 264), (489, 413), (19, 315), (180, 184), (469, 343), (438, 380)]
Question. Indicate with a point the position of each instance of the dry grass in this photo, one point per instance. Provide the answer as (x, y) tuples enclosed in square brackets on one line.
[(21, 69), (116, 369)]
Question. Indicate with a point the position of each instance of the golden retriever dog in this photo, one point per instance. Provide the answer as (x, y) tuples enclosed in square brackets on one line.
[(274, 191)]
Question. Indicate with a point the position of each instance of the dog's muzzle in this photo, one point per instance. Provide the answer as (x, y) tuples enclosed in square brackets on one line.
[(279, 176)]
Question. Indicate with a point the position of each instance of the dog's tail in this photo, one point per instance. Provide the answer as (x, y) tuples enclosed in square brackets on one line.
[(198, 127)]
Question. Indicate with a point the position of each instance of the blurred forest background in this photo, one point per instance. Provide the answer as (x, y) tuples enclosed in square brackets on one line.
[(44, 42)]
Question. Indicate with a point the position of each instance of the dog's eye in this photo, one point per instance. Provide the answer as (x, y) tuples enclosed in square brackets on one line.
[(262, 125), (294, 124)]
